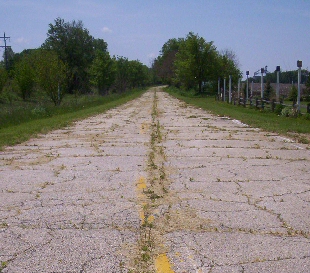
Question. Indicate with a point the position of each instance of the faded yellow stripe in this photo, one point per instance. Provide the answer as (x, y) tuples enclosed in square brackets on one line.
[(162, 264), (141, 185)]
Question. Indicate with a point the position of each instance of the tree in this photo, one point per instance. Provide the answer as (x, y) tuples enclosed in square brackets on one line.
[(268, 91), (293, 94), (76, 48), (306, 91), (24, 75), (138, 74), (195, 62), (51, 75), (163, 66), (102, 72), (228, 65), (122, 78)]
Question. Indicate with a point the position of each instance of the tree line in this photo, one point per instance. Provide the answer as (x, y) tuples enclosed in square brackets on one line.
[(69, 61), (193, 63), (286, 77)]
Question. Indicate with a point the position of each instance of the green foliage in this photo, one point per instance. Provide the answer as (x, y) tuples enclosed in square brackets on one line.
[(289, 112), (278, 109), (268, 91), (195, 62), (287, 76), (122, 74), (76, 48), (306, 116), (306, 91), (51, 75), (163, 66), (3, 78), (102, 72), (293, 94), (8, 94), (25, 76), (228, 65)]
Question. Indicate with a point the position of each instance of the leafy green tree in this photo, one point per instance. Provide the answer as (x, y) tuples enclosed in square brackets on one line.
[(51, 75), (25, 76), (195, 62), (293, 94), (102, 72), (228, 65), (306, 91), (163, 66), (138, 74), (268, 91), (122, 76), (76, 48)]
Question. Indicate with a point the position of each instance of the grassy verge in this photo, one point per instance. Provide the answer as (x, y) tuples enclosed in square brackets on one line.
[(17, 133), (299, 128)]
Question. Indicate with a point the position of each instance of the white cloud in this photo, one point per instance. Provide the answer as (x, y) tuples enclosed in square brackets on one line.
[(22, 41), (106, 30), (152, 56)]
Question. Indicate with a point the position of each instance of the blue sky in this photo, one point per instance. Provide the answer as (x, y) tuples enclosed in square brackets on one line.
[(265, 32)]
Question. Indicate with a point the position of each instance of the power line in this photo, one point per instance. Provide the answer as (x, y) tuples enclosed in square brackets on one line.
[(5, 51)]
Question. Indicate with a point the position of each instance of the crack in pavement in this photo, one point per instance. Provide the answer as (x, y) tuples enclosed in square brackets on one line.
[(158, 186)]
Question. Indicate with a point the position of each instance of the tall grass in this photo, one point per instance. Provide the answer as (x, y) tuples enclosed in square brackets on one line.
[(25, 121)]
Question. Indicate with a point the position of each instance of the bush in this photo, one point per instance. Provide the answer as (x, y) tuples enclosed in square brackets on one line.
[(278, 109), (293, 94), (8, 94), (306, 116), (290, 112)]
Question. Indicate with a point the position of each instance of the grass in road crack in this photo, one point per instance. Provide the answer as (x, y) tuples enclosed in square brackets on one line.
[(150, 237)]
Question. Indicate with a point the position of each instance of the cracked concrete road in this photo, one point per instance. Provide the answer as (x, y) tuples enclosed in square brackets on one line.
[(155, 186)]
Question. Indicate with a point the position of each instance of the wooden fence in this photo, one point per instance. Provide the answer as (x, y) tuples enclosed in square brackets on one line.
[(262, 103)]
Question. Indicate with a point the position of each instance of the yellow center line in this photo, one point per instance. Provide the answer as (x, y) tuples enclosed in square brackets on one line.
[(162, 264)]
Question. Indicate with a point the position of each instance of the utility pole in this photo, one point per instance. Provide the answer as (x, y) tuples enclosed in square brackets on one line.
[(278, 83), (5, 51), (299, 65)]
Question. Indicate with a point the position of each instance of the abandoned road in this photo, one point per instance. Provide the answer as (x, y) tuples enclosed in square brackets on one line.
[(155, 185)]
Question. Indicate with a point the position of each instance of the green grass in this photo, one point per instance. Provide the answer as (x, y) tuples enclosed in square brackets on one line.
[(18, 128), (265, 120)]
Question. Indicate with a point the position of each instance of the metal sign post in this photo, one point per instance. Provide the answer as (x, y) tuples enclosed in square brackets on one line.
[(262, 82)]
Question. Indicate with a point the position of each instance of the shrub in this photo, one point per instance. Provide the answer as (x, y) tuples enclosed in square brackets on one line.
[(306, 116), (278, 109), (290, 112)]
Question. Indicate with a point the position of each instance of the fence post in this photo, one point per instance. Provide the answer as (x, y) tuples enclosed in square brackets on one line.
[(308, 108), (262, 102), (256, 102)]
